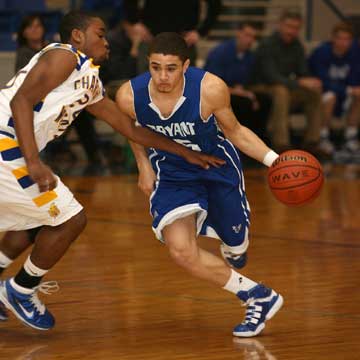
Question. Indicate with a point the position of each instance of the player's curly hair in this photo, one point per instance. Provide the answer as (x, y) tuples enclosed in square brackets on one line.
[(73, 20), (169, 43)]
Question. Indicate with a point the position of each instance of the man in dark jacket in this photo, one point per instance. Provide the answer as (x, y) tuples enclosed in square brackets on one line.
[(232, 61), (280, 70), (183, 17)]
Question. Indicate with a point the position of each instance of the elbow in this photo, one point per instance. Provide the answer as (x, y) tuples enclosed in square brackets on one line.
[(235, 131), (13, 102), (17, 100)]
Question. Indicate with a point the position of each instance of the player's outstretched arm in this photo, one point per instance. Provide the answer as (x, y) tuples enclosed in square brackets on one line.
[(52, 69), (215, 100), (108, 111)]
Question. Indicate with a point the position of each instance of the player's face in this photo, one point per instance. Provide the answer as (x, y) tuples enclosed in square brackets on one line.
[(95, 43), (289, 30), (166, 71), (245, 38), (342, 42)]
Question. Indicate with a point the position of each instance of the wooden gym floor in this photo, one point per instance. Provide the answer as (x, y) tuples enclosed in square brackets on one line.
[(122, 298)]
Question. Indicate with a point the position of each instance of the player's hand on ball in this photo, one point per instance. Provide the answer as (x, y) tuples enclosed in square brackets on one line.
[(42, 175)]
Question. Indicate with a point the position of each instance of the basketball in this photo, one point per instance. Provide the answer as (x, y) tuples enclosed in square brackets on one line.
[(295, 178)]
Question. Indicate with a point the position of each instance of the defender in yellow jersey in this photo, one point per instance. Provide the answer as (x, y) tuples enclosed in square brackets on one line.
[(36, 106)]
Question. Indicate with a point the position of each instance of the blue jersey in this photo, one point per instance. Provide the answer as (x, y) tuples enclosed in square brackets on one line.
[(335, 72), (225, 62), (185, 124), (216, 195)]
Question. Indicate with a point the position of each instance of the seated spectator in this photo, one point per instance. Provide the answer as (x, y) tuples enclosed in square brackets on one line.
[(122, 63), (280, 70), (30, 39), (335, 63), (232, 61), (188, 18), (124, 44)]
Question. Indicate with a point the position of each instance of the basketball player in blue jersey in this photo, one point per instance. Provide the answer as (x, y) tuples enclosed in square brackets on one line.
[(36, 106), (192, 107)]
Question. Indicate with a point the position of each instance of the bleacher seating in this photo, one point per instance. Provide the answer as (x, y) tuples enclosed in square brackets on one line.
[(26, 5), (11, 13)]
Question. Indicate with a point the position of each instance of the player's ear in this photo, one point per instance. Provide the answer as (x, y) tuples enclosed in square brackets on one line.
[(186, 65), (78, 36)]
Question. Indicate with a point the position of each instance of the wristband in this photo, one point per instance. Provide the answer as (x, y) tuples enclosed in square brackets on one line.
[(270, 157)]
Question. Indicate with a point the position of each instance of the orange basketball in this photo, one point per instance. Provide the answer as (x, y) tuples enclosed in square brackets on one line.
[(295, 177)]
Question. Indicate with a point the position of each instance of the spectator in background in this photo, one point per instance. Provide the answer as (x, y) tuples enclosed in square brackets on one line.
[(335, 63), (124, 49), (232, 61), (124, 44), (30, 39), (182, 17), (280, 70)]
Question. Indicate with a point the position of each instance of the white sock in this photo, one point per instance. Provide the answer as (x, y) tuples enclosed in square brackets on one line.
[(351, 132), (32, 269), (4, 260), (238, 282)]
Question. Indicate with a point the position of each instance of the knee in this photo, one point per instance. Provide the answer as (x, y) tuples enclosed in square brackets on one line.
[(183, 255), (32, 233), (329, 99), (79, 222), (280, 92), (356, 98), (314, 96)]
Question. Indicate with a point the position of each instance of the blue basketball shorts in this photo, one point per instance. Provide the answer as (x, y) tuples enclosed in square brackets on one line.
[(217, 197)]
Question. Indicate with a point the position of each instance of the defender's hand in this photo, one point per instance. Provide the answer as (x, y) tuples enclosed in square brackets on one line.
[(203, 160), (42, 175)]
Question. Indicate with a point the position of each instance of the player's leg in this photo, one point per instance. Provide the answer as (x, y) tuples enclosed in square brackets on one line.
[(19, 294), (180, 239), (263, 303), (23, 207), (12, 245), (229, 220)]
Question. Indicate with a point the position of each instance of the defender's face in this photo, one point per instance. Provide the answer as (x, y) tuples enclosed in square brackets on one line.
[(166, 71), (342, 42), (95, 43), (289, 30)]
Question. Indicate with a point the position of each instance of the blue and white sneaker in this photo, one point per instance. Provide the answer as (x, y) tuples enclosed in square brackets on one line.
[(28, 307), (262, 304), (237, 261)]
